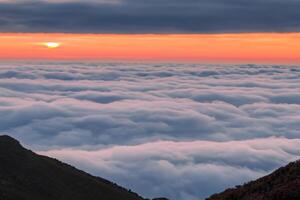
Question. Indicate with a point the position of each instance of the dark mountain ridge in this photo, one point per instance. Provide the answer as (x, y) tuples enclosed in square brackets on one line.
[(25, 175), (283, 184)]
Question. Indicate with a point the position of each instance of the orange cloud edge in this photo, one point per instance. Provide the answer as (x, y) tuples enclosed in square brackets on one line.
[(242, 47)]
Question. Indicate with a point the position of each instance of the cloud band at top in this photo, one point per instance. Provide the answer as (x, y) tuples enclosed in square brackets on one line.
[(141, 16)]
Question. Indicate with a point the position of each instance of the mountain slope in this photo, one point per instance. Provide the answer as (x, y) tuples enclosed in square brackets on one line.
[(25, 175), (283, 184)]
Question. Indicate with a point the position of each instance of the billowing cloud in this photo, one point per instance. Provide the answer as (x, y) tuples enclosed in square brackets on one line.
[(151, 125), (184, 170), (142, 16)]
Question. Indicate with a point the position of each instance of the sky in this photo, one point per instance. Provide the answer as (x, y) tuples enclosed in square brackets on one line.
[(197, 30), (217, 48)]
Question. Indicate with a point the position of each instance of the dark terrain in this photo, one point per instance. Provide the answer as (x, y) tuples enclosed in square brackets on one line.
[(25, 175), (283, 184)]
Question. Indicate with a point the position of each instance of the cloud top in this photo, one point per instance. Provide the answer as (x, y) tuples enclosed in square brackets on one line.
[(209, 126)]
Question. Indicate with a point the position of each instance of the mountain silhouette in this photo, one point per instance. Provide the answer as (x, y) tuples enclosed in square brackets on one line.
[(283, 184), (25, 175)]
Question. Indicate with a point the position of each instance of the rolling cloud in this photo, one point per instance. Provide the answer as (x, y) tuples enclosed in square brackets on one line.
[(133, 16), (150, 125), (184, 170)]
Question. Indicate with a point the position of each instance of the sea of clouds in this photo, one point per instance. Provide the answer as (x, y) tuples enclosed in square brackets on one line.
[(183, 131)]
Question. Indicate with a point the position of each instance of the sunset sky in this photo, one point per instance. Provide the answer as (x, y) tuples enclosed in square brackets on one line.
[(183, 47), (212, 31)]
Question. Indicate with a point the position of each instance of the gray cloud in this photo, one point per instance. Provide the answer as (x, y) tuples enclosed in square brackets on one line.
[(184, 170), (211, 126), (168, 16)]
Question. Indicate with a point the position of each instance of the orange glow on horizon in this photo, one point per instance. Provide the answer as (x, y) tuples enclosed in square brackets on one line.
[(260, 47)]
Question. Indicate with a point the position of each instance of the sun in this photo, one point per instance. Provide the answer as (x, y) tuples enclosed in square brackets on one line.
[(52, 45)]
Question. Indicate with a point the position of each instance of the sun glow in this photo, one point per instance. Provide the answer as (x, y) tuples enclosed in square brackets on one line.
[(52, 45), (246, 48)]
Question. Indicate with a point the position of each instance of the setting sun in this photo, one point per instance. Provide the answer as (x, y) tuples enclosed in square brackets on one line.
[(52, 45), (255, 47)]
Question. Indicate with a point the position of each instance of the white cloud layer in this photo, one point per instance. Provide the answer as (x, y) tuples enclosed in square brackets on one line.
[(184, 170), (183, 131)]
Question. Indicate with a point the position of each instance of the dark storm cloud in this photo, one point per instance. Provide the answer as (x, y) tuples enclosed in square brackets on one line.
[(167, 16)]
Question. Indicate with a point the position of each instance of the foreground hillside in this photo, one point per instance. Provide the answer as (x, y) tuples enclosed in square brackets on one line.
[(283, 184), (25, 175)]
